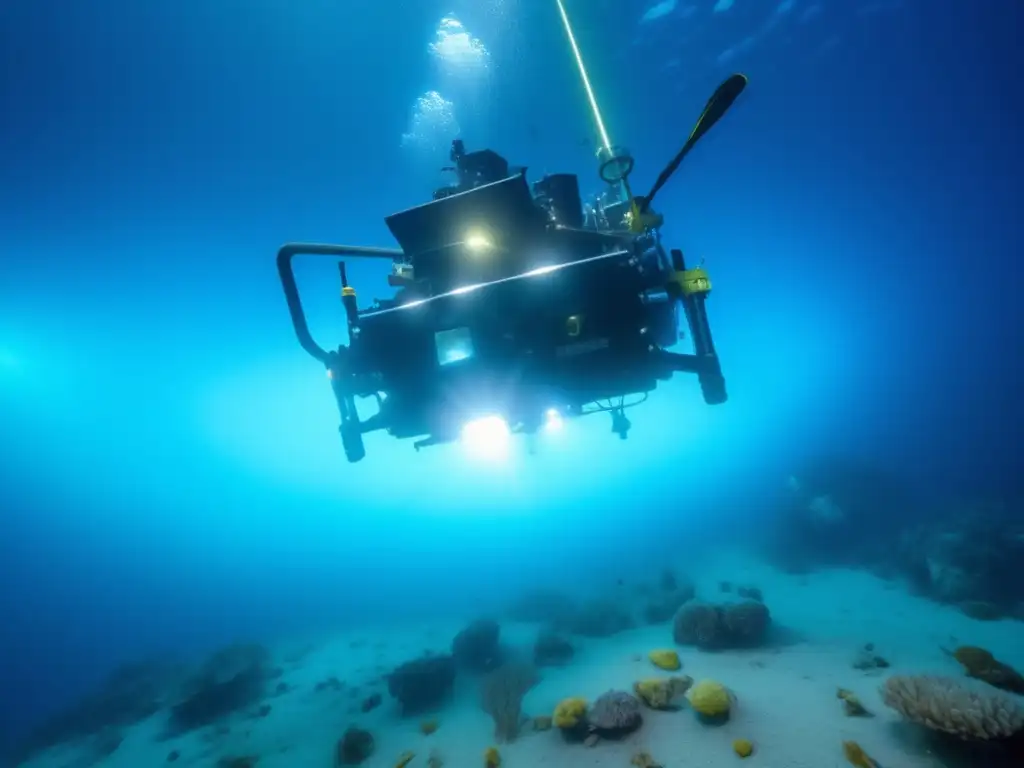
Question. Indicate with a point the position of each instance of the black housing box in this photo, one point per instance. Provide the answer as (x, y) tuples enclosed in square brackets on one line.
[(567, 336), (434, 235)]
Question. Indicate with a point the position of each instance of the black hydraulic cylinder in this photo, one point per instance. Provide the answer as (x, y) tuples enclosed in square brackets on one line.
[(709, 372)]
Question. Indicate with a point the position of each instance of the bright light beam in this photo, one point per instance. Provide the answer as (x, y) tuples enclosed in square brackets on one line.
[(585, 77), (487, 438)]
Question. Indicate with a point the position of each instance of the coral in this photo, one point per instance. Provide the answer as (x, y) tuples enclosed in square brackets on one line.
[(476, 647), (541, 723), (665, 659), (710, 699), (404, 759), (746, 623), (697, 623), (492, 758), (943, 704), (502, 697), (231, 679), (569, 713), (551, 649), (354, 747), (657, 693), (856, 756), (730, 625), (427, 727), (435, 760), (982, 665), (743, 747), (614, 714), (422, 683), (851, 704)]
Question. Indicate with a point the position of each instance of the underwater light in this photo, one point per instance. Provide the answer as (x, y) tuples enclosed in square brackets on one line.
[(553, 420), (487, 437), (477, 242)]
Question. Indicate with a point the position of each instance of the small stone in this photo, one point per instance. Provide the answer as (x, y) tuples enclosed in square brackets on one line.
[(867, 660), (851, 704)]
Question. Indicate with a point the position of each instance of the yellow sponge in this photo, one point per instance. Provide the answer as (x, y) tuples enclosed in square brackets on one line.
[(857, 756), (743, 747), (665, 659), (710, 698), (658, 694), (570, 712)]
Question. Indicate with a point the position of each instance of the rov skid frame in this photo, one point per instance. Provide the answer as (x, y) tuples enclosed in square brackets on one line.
[(689, 287)]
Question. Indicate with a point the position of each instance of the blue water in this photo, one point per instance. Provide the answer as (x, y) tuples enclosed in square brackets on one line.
[(170, 471)]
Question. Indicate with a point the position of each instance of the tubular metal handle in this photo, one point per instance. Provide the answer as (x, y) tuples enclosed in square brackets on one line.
[(287, 252)]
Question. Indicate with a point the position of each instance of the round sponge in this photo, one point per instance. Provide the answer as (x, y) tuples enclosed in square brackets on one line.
[(665, 659), (569, 713), (710, 699)]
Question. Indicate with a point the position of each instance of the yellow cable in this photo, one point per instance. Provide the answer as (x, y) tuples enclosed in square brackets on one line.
[(586, 79)]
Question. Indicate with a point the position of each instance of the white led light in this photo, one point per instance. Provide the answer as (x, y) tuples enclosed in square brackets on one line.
[(553, 420), (487, 438), (477, 241)]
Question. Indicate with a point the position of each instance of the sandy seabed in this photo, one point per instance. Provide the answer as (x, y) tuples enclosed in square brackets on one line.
[(785, 695)]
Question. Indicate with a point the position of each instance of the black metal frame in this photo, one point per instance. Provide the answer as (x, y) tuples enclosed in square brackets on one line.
[(703, 362)]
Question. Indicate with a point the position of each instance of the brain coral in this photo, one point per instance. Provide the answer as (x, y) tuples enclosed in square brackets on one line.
[(950, 706)]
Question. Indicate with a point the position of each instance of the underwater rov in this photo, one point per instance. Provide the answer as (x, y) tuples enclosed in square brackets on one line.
[(517, 307)]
